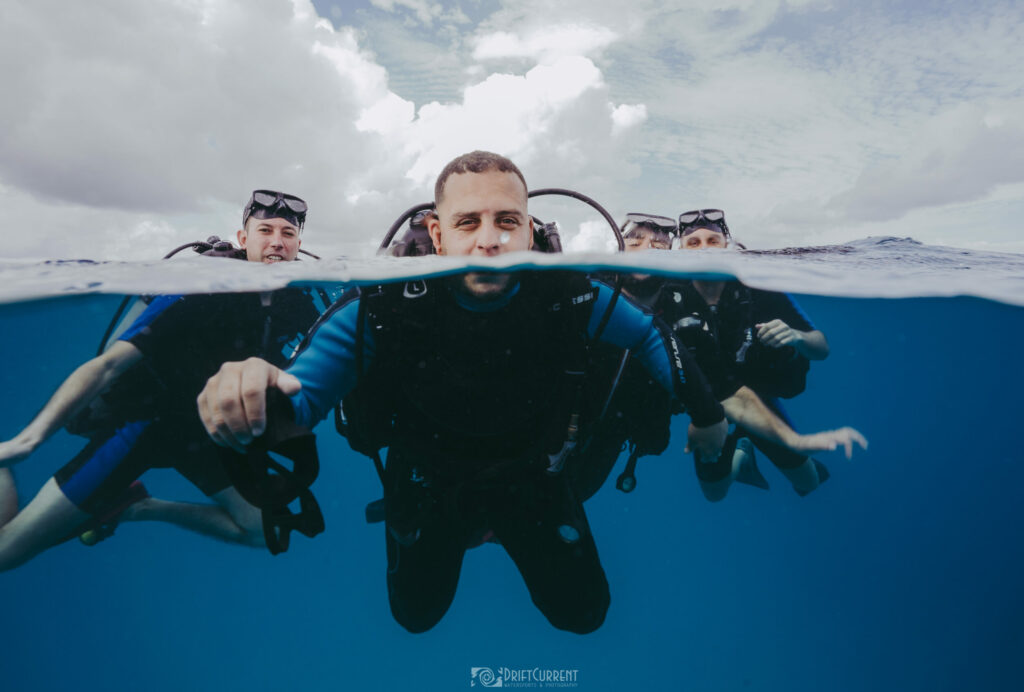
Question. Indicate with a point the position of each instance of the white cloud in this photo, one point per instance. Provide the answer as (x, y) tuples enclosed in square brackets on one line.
[(625, 117), (165, 106), (591, 236), (804, 120), (959, 155), (555, 116), (544, 44)]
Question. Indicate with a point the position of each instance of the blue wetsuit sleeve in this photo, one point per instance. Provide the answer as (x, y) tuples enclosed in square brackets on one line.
[(653, 344), (142, 323), (326, 362)]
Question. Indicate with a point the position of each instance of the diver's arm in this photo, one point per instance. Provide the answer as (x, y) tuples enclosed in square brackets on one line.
[(669, 363), (81, 387), (326, 364), (746, 409), (813, 345)]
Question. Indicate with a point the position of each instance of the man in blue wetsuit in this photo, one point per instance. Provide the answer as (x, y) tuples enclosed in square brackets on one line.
[(481, 372), (148, 379)]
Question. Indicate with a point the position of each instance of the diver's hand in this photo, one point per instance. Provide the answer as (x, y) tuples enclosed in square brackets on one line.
[(233, 404), (13, 451), (706, 443), (777, 334), (830, 440)]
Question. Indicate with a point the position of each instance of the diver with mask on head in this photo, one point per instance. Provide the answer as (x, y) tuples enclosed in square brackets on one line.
[(765, 340), (136, 404)]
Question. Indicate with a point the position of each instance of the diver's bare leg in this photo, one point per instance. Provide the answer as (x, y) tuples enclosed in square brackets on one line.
[(46, 521), (232, 519), (804, 477)]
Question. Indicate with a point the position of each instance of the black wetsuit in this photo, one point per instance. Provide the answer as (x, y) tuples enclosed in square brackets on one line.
[(723, 341), (726, 332), (477, 396), (148, 418)]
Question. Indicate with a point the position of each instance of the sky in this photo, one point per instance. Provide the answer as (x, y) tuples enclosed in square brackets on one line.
[(129, 128)]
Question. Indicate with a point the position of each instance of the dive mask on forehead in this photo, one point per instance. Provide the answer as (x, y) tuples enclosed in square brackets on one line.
[(714, 219), (662, 228), (270, 204)]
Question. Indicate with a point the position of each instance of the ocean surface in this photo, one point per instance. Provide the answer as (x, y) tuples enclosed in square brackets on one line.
[(902, 572)]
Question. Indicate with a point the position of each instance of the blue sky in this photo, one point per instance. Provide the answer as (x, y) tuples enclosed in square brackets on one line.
[(138, 126)]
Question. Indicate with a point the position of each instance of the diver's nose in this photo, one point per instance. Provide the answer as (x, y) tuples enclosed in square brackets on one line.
[(488, 239)]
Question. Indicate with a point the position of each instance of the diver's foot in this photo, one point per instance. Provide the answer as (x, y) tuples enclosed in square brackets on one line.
[(744, 463), (821, 475), (105, 522)]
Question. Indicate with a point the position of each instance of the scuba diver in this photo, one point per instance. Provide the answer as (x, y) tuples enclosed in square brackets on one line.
[(765, 339), (136, 404), (744, 343)]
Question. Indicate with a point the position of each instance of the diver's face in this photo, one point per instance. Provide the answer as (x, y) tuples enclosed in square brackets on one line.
[(269, 240), (641, 238), (702, 239), (482, 215)]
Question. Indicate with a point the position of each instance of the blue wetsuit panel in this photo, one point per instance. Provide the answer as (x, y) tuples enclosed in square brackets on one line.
[(157, 306), (88, 477)]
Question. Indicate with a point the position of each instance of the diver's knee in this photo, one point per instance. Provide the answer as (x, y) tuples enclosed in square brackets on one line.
[(251, 531)]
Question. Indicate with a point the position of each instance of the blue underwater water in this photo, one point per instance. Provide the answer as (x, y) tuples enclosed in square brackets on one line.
[(902, 572)]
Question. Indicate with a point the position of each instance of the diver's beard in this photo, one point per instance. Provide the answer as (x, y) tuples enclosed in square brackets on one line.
[(485, 285)]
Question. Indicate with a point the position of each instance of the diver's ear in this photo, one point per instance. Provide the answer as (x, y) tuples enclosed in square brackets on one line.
[(241, 235), (530, 244), (434, 229)]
